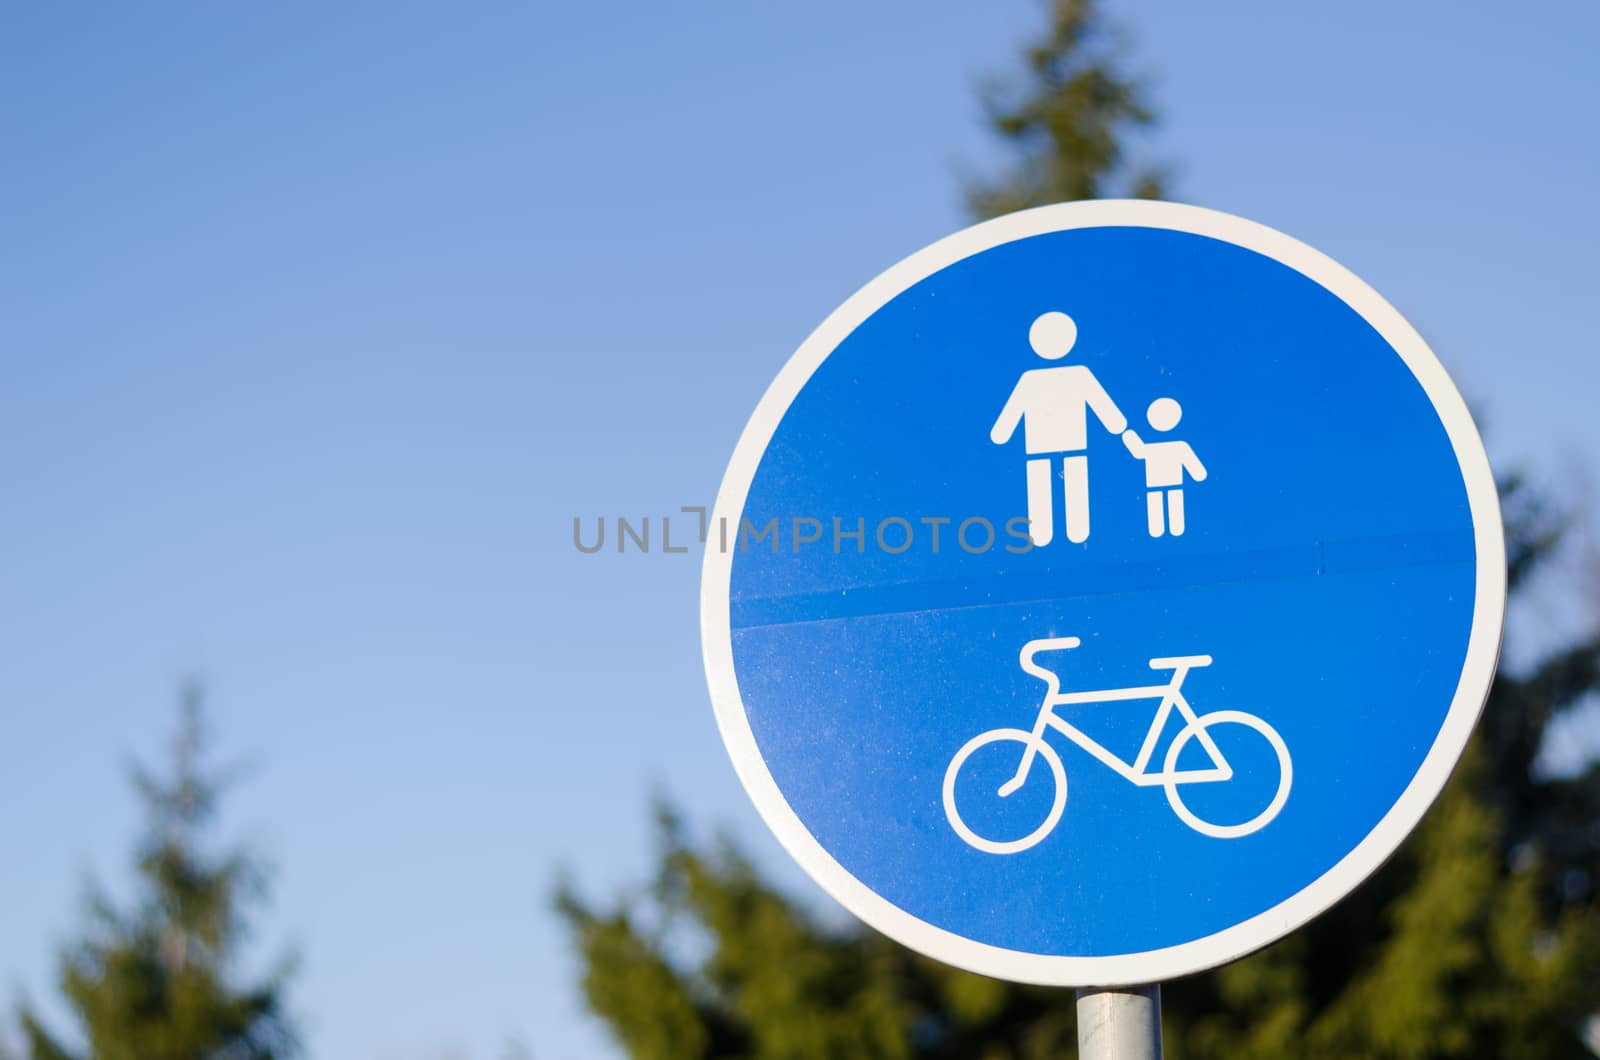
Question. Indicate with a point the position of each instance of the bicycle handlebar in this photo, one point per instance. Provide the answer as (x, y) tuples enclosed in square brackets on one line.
[(1034, 647)]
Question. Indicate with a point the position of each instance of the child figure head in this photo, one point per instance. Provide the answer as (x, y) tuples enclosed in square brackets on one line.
[(1052, 335), (1164, 414)]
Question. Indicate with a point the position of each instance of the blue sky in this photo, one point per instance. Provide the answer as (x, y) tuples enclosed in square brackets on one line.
[(320, 323)]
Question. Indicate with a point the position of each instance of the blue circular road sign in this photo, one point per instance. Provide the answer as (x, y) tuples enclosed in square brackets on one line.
[(1102, 592)]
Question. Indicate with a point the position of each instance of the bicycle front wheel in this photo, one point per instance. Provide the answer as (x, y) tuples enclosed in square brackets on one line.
[(983, 781), (1234, 728)]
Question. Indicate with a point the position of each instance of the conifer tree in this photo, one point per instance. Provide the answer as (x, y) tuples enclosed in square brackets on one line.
[(158, 981), (1068, 119)]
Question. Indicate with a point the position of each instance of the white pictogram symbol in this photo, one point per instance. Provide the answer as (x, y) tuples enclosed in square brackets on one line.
[(1053, 405), (1164, 466), (1197, 727)]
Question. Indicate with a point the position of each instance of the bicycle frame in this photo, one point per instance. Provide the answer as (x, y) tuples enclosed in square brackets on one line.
[(1138, 771)]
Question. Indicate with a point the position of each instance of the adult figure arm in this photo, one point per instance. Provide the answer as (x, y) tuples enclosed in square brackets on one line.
[(1010, 416), (1103, 407)]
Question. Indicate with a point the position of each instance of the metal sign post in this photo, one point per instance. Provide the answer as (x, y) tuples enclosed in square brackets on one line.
[(1119, 1024), (1100, 594)]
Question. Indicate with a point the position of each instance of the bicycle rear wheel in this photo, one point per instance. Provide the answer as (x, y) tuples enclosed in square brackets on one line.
[(1228, 718)]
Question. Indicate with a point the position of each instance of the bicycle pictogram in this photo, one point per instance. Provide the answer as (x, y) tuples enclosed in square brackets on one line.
[(1196, 728)]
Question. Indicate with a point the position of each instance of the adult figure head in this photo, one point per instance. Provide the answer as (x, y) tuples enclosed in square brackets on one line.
[(1053, 335)]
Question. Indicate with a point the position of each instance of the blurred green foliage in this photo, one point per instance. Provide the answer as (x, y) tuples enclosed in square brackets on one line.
[(1479, 939), (157, 981), (1068, 120)]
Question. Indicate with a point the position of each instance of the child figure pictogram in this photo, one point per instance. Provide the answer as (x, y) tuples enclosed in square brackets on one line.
[(1164, 467)]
